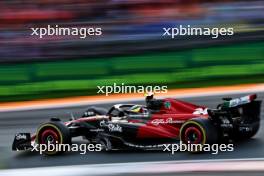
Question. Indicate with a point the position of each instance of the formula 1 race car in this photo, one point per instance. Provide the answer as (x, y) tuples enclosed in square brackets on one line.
[(160, 121)]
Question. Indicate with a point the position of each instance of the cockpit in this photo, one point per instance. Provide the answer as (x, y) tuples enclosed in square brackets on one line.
[(128, 111)]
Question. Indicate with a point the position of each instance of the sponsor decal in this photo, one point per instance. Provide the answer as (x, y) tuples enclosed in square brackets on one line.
[(111, 127), (239, 101), (200, 111), (166, 121), (167, 104), (226, 123), (114, 127), (89, 113), (21, 136), (144, 146), (247, 129), (96, 130)]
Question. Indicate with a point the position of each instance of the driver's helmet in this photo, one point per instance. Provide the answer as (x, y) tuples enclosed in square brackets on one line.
[(138, 109), (149, 95)]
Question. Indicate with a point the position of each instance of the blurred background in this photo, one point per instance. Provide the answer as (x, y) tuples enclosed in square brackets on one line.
[(131, 49)]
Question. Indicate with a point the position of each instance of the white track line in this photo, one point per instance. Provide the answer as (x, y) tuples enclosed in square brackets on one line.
[(221, 165)]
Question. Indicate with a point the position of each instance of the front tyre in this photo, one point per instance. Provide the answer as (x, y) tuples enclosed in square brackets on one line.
[(53, 132)]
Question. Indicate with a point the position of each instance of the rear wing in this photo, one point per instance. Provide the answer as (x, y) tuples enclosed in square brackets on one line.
[(250, 107), (239, 101)]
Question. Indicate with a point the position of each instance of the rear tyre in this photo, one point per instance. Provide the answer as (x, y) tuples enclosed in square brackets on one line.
[(198, 131), (53, 132)]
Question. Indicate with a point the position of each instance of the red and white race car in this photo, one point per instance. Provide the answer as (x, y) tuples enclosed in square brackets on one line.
[(149, 126)]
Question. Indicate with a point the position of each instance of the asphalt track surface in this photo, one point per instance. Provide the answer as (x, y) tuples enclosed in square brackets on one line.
[(28, 121)]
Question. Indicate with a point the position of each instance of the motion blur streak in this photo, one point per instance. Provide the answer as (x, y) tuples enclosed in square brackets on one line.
[(124, 23), (208, 167), (131, 48)]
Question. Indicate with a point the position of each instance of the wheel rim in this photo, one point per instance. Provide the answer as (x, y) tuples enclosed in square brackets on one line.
[(49, 136), (193, 135)]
